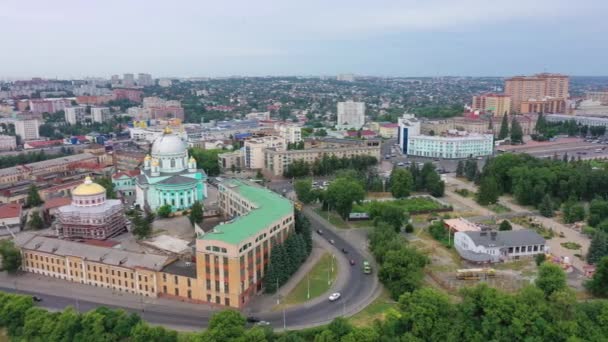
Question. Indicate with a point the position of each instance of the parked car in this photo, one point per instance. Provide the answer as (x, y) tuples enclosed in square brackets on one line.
[(334, 296), (352, 262), (344, 251), (319, 231), (332, 241), (263, 323), (253, 319), (36, 299)]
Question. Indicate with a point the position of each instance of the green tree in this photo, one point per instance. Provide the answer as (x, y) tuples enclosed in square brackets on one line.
[(164, 211), (598, 248), (505, 225), (470, 169), (35, 221), (504, 128), (517, 134), (460, 169), (488, 191), (540, 258), (541, 124), (342, 193), (11, 256), (142, 227), (546, 206), (196, 213), (434, 185), (304, 191), (227, 325), (401, 183), (33, 197), (427, 314), (393, 215), (598, 285), (551, 278), (142, 332), (206, 160), (106, 182), (401, 270)]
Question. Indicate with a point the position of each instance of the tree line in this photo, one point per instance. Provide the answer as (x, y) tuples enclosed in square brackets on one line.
[(551, 184), (26, 158), (287, 257), (327, 165), (547, 130)]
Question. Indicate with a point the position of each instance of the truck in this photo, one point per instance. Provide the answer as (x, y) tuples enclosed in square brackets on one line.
[(367, 269)]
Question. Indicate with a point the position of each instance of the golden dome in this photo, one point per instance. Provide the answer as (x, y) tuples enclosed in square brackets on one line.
[(88, 188), (192, 160), (168, 130), (147, 157), (155, 162)]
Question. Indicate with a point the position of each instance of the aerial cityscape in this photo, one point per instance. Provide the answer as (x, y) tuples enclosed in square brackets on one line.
[(202, 194)]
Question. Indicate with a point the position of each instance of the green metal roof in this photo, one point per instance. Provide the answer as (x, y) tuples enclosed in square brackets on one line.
[(270, 207)]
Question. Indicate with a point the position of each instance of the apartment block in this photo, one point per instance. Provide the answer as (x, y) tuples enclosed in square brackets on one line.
[(100, 114), (27, 129), (74, 115), (497, 104), (254, 150), (540, 87), (351, 115)]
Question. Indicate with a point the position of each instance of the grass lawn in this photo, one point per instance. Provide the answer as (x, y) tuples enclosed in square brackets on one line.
[(376, 310), (318, 281), (411, 205), (334, 218), (570, 245), (498, 208)]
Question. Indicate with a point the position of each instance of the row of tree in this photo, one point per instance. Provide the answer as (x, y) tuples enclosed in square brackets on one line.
[(546, 130), (516, 133), (26, 158), (328, 165), (286, 257)]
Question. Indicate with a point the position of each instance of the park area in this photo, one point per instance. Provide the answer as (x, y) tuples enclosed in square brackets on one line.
[(411, 205), (317, 281)]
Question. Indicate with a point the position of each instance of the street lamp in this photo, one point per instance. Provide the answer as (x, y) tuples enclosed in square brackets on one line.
[(308, 286)]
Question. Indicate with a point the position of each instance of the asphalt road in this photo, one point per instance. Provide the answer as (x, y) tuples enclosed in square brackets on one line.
[(360, 290)]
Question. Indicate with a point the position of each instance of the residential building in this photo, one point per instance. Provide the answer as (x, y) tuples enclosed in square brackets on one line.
[(169, 176), (495, 246), (523, 89), (460, 224), (346, 77), (50, 105), (165, 82), (74, 115), (497, 104), (157, 108), (278, 160), (100, 114), (128, 80), (254, 150), (229, 160), (291, 133), (115, 80), (27, 129), (258, 116), (8, 142), (581, 120), (134, 95), (477, 124), (145, 80), (599, 96), (11, 218), (351, 115), (128, 160), (94, 100), (90, 215), (388, 130), (232, 258)]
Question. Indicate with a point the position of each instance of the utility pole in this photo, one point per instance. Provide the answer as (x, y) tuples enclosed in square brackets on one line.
[(284, 321)]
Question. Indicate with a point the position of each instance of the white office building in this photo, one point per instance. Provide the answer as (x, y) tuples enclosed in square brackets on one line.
[(452, 145), (100, 114), (351, 115), (27, 129), (254, 150), (75, 114)]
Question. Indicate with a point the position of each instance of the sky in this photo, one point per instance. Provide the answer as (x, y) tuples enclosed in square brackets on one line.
[(196, 38)]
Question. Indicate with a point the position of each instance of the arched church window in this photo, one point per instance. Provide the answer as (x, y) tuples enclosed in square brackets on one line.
[(172, 162)]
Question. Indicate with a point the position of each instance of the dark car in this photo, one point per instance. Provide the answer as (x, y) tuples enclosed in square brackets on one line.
[(352, 262), (319, 231), (252, 319), (36, 299), (344, 251)]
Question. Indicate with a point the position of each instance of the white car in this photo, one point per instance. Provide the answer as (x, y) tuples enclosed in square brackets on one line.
[(334, 296)]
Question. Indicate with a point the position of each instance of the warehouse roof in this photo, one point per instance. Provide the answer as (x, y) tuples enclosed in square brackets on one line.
[(270, 207)]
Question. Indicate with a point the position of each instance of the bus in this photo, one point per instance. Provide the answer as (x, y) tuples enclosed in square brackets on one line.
[(367, 269), (475, 273)]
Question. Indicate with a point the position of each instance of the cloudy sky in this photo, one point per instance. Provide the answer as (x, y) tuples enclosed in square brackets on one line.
[(76, 38)]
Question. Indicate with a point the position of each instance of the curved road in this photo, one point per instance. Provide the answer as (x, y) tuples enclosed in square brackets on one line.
[(357, 291)]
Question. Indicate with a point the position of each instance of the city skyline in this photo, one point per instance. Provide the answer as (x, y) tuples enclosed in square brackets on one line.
[(70, 39)]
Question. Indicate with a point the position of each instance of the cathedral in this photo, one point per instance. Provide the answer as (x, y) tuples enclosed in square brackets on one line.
[(169, 176)]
